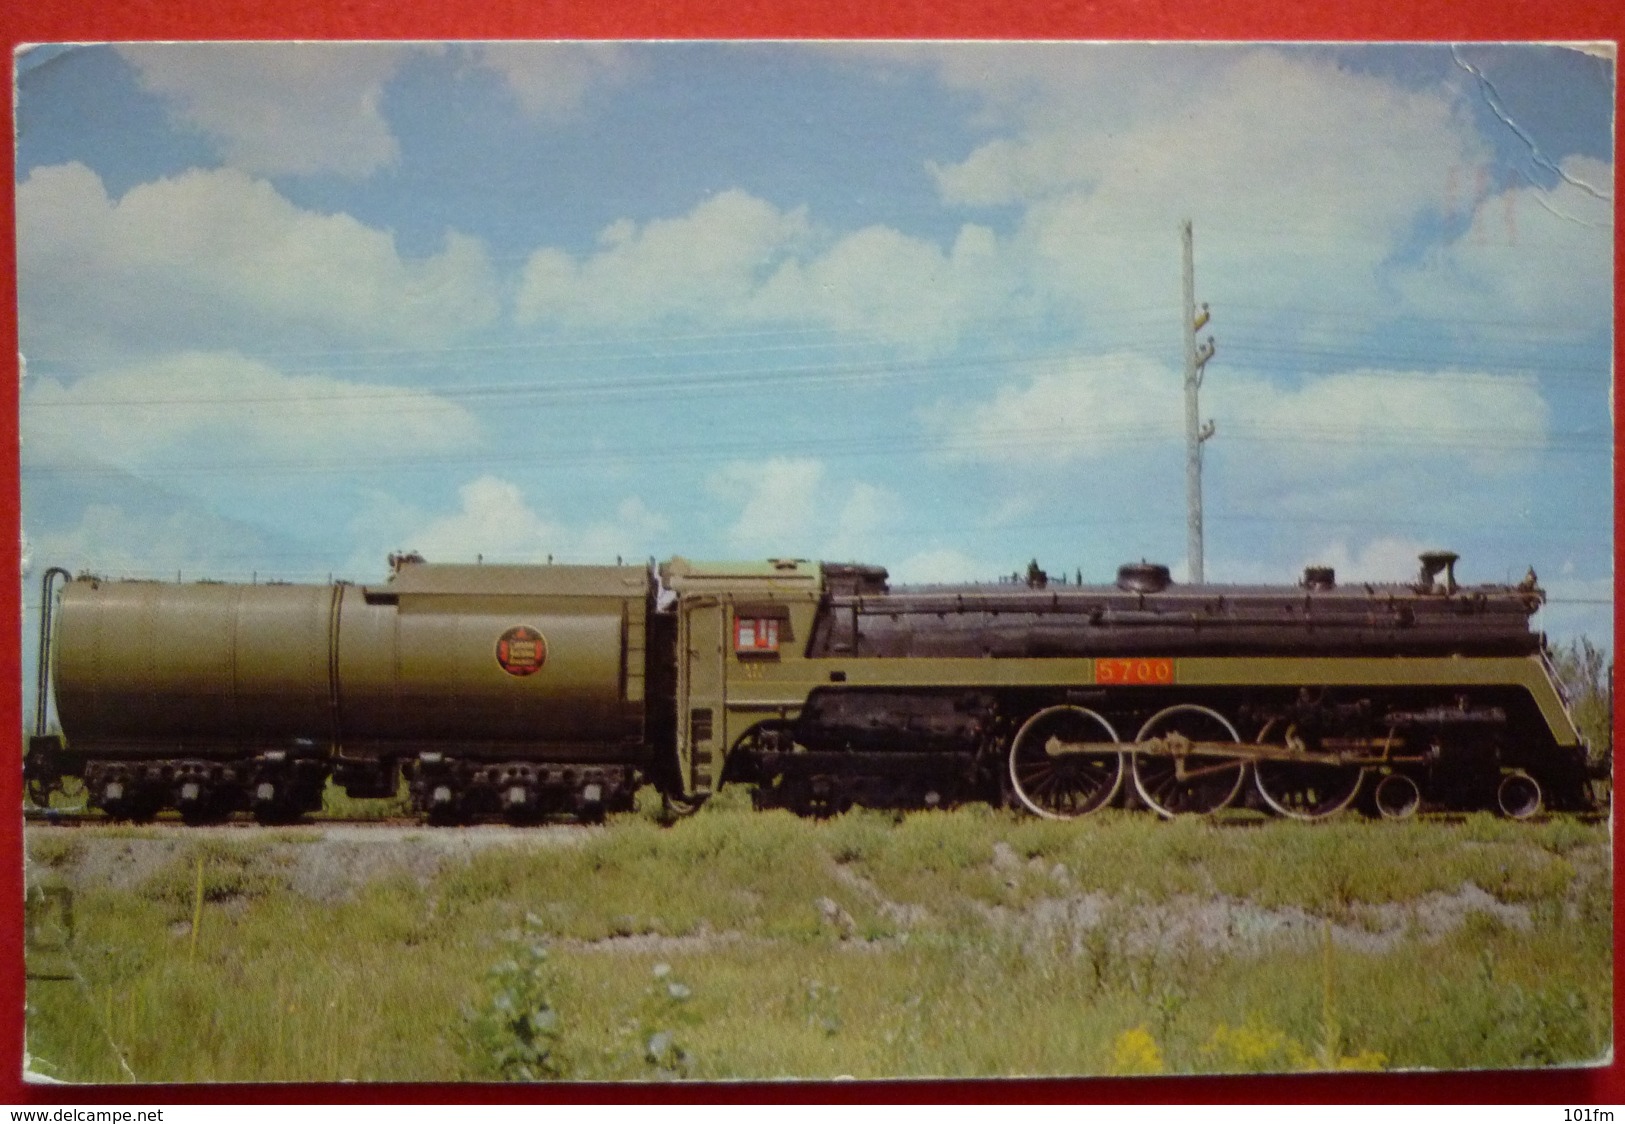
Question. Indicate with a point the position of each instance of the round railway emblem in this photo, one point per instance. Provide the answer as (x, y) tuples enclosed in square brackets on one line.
[(521, 650)]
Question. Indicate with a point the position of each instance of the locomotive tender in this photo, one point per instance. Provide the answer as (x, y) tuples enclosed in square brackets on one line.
[(529, 690)]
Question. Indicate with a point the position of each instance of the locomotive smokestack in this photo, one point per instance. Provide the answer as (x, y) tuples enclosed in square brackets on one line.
[(1433, 561)]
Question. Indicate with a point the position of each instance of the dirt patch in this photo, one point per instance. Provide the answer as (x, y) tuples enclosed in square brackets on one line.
[(330, 864), (321, 863), (1242, 928), (645, 944), (903, 915)]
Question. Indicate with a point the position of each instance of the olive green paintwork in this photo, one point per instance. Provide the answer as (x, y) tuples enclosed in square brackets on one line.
[(149, 669), (707, 667), (418, 665), (742, 690), (153, 665)]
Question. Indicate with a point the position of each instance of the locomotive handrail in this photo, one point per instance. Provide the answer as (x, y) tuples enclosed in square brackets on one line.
[(47, 611)]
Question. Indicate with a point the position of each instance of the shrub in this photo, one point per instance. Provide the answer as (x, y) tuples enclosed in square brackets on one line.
[(513, 1035)]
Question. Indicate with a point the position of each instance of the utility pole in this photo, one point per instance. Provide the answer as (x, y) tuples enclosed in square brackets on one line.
[(1196, 433)]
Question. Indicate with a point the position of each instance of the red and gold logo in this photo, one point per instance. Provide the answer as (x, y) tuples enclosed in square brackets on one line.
[(521, 650)]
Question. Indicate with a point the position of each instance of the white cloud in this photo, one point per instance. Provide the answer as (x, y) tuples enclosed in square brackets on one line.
[(1087, 411), (943, 565), (1489, 424), (711, 261), (790, 507), (1326, 426), (280, 108), (1310, 185), (1296, 173), (1381, 560), (777, 501), (737, 259), (152, 413), (1540, 257), (550, 80), (495, 520), (112, 541), (863, 524), (214, 258), (1292, 132)]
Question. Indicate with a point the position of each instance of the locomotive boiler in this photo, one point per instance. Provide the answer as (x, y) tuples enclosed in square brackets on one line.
[(529, 690)]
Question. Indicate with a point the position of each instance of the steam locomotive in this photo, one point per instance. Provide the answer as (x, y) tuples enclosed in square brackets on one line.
[(525, 691)]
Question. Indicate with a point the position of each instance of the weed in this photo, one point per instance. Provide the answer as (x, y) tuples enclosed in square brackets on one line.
[(1135, 1052), (513, 1034), (821, 1007), (231, 870), (55, 852), (1113, 963), (665, 1011)]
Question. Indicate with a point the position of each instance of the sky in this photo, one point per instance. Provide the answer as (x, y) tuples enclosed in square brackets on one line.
[(285, 308)]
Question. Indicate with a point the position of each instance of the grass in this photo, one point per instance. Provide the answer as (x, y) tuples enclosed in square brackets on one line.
[(966, 943)]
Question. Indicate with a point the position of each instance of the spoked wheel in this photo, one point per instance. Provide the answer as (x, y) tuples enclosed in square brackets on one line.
[(1305, 790), (1188, 784), (1054, 779)]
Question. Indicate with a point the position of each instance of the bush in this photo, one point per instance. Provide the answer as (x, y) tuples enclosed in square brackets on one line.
[(1587, 674), (513, 1035)]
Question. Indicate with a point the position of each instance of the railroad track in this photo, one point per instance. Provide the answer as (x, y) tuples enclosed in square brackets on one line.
[(79, 818), (76, 818)]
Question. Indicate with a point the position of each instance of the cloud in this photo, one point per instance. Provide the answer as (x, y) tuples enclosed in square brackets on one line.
[(279, 108), (1293, 130), (220, 259), (865, 520), (943, 565), (1321, 196), (1541, 256), (1088, 411), (1380, 560), (1097, 408), (550, 80), (740, 260), (713, 260), (495, 520), (1490, 425), (790, 507), (1295, 171), (113, 541), (183, 411), (777, 501)]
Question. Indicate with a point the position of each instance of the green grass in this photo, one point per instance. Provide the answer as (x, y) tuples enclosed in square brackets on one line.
[(340, 805), (967, 943)]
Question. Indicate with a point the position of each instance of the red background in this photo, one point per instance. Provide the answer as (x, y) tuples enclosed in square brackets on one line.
[(105, 20)]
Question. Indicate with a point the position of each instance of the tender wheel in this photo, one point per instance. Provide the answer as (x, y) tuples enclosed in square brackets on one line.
[(39, 792), (1058, 783), (1305, 790), (1190, 784), (70, 791)]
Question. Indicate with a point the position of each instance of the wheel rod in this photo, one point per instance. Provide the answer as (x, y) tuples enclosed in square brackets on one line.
[(1179, 746)]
